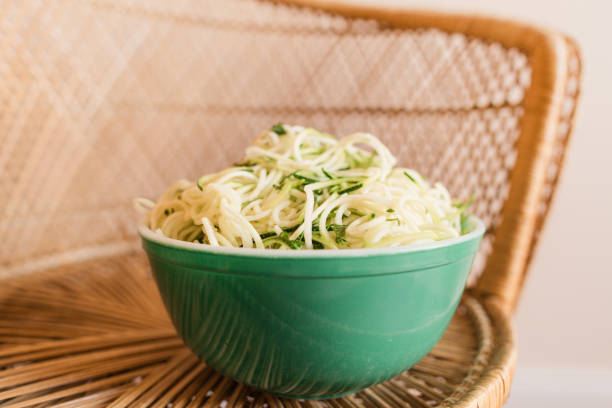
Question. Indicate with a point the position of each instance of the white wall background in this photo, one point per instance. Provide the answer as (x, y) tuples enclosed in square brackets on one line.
[(565, 316)]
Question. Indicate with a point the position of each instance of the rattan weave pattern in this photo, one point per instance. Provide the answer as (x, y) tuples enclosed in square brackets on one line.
[(125, 112), (96, 334)]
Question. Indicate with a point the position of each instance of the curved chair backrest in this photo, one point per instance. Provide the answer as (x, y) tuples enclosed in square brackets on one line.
[(103, 101)]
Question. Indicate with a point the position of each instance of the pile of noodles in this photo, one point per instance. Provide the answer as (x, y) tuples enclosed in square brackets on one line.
[(299, 188)]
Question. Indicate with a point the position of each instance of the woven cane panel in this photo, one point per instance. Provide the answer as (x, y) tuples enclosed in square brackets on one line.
[(95, 334), (102, 101)]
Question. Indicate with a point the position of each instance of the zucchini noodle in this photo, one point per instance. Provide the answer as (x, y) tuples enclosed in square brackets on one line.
[(299, 188)]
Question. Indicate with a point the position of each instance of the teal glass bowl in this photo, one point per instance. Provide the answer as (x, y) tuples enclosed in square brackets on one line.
[(311, 323)]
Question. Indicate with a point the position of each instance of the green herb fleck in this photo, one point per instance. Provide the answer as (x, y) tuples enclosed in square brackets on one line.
[(300, 177), (271, 241), (351, 189), (340, 231), (333, 189), (291, 229), (283, 239), (293, 244), (326, 174), (410, 177), (372, 216), (248, 170), (317, 245), (390, 210), (394, 219), (166, 212), (279, 129), (357, 213)]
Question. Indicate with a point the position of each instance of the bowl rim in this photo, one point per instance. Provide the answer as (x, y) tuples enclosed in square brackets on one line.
[(478, 229)]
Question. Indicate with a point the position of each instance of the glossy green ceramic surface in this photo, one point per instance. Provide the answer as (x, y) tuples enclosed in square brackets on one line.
[(311, 324)]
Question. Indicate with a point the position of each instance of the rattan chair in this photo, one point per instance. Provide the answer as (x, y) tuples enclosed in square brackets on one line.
[(105, 100)]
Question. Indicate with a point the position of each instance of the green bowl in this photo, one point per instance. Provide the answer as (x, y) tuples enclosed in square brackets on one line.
[(311, 323)]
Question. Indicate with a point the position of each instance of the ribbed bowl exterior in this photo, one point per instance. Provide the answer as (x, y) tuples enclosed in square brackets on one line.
[(308, 326)]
